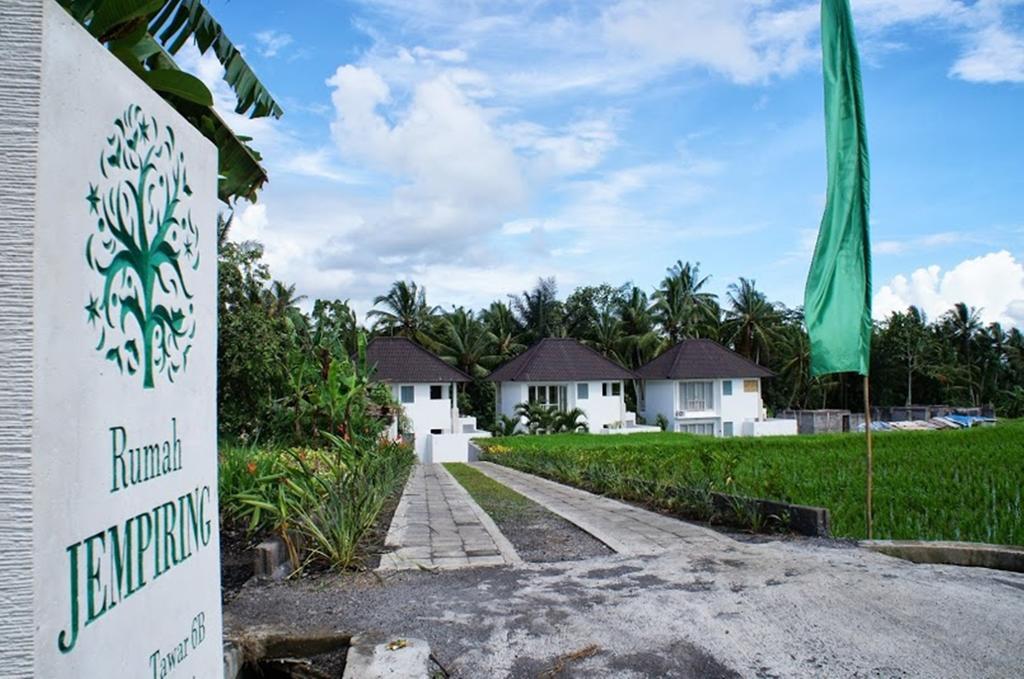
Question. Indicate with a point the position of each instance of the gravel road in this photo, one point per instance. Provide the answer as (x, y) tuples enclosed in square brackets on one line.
[(789, 608)]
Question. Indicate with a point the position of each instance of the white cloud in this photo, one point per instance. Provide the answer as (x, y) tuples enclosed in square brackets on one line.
[(747, 42), (451, 55), (579, 147), (994, 283), (320, 164), (897, 247), (267, 133), (271, 42), (455, 176), (249, 222), (996, 56)]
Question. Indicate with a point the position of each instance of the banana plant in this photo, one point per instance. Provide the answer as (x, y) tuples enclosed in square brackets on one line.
[(146, 34)]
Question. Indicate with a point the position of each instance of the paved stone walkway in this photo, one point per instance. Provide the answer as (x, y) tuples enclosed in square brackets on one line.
[(623, 527), (438, 525)]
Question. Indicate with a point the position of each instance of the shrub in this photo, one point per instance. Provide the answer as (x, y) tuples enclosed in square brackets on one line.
[(320, 502)]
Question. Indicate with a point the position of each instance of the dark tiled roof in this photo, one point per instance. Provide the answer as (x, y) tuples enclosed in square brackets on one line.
[(559, 360), (401, 360), (698, 359)]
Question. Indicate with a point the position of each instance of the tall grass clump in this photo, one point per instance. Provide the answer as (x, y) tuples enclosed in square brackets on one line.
[(322, 500), (929, 485)]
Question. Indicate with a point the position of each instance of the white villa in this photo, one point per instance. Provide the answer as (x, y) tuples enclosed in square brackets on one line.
[(565, 374), (427, 389), (701, 387)]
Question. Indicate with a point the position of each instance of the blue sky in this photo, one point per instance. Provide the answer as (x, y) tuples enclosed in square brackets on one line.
[(474, 146)]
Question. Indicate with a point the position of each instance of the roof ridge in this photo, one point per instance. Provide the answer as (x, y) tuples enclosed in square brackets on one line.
[(678, 349), (600, 355), (748, 360), (423, 350)]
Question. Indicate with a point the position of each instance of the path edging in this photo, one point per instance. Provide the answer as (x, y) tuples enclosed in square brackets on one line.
[(505, 548)]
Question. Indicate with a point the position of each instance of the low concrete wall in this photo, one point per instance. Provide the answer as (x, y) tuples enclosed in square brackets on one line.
[(802, 519), (974, 554), (451, 447), (768, 428), (635, 429)]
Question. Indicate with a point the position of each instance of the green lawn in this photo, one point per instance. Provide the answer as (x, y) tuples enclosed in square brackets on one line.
[(932, 485), (497, 499)]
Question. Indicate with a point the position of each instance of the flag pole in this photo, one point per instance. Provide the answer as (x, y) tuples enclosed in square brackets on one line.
[(867, 430)]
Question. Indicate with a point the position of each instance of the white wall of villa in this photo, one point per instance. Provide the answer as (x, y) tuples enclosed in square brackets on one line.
[(428, 409), (440, 432), (718, 407), (602, 400)]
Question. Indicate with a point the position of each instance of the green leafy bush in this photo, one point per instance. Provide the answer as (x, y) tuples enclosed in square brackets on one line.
[(321, 502)]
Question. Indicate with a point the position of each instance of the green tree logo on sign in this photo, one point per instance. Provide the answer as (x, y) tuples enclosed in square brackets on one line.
[(144, 247)]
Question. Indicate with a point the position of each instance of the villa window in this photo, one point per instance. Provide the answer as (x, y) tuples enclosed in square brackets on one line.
[(436, 392), (696, 396), (727, 429), (407, 394), (616, 388), (750, 386), (726, 387), (582, 391), (550, 395), (700, 428)]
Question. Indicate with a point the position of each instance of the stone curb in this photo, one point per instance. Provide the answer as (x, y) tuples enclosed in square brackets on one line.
[(374, 656), (271, 560), (594, 529), (971, 554), (508, 552), (400, 520), (802, 519)]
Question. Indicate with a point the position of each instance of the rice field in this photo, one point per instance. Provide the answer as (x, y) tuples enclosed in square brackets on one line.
[(929, 485)]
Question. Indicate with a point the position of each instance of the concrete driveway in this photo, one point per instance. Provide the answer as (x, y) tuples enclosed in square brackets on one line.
[(697, 608)]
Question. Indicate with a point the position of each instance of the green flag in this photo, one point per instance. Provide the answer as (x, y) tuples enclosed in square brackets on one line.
[(837, 299)]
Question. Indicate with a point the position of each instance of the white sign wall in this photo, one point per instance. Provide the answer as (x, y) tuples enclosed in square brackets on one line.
[(108, 354)]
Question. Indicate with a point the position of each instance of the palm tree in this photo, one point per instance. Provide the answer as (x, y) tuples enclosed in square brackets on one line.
[(506, 426), (574, 420), (281, 298), (538, 311), (405, 313), (608, 337), (680, 306), (796, 367), (535, 417), (505, 329), (541, 419), (962, 324), (751, 322), (466, 343), (640, 340)]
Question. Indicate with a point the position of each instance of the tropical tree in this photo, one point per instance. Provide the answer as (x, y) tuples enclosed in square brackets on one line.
[(585, 305), (910, 332), (541, 419), (538, 311), (681, 307), (640, 340), (466, 343), (962, 325), (751, 321), (504, 328), (334, 324), (405, 313), (607, 336), (145, 36)]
